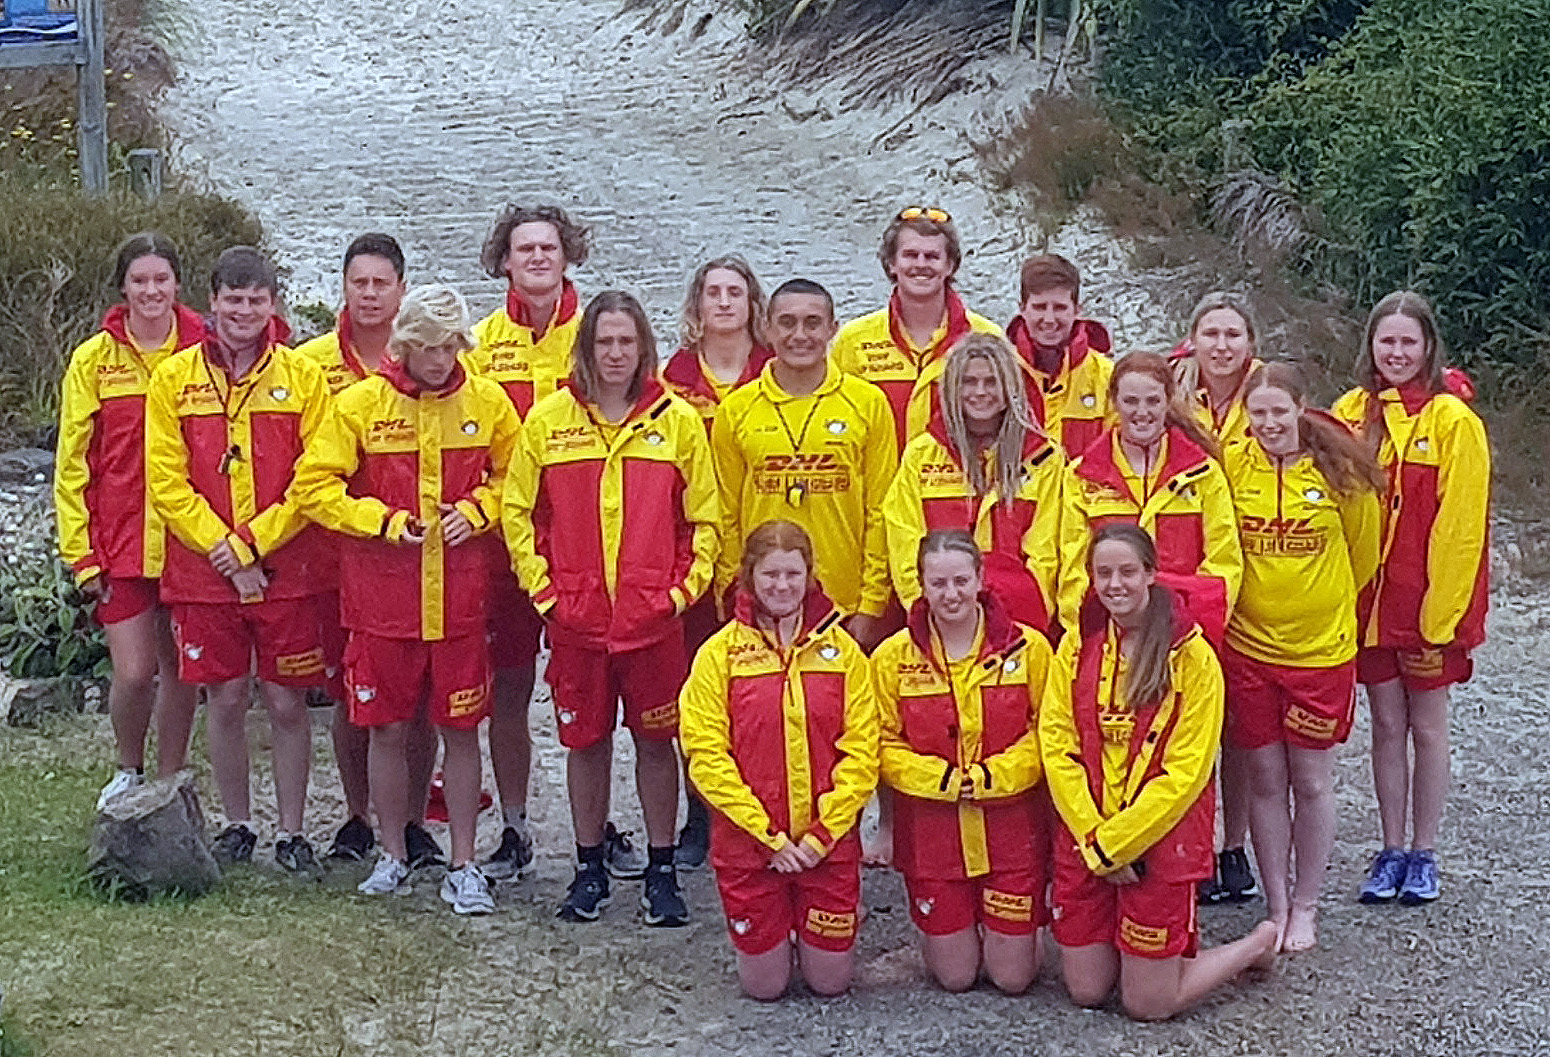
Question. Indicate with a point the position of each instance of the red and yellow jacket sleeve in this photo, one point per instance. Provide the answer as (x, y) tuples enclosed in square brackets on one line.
[(1041, 540), (731, 470), (904, 525), (854, 775), (188, 515), (1361, 518), (277, 524), (900, 766), (1189, 756), (702, 509), (518, 498), (1223, 550), (482, 506), (1061, 747), (882, 464), (1459, 532), (706, 733), (1018, 768), (78, 406), (1075, 535)]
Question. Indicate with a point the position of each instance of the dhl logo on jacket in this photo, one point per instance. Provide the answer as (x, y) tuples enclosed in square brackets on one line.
[(221, 455), (943, 721), (877, 347), (1073, 403), (824, 461), (389, 452), (1133, 785), (1021, 545), (335, 355), (1432, 586), (612, 529), (781, 742), (1307, 551), (107, 523), (509, 350), (1184, 504), (688, 378)]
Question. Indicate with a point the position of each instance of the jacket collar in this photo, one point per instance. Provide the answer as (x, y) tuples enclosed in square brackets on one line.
[(399, 379), (517, 310), (188, 326), (772, 391), (686, 370), (819, 615), (1000, 634), (1087, 336), (1100, 463)]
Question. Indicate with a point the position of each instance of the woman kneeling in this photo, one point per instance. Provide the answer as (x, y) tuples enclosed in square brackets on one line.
[(1129, 729), (780, 727)]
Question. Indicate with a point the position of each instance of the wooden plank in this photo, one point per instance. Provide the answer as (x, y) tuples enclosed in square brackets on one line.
[(92, 105), (43, 53)]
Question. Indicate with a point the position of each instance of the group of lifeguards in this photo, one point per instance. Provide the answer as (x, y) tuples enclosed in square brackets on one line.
[(1017, 589)]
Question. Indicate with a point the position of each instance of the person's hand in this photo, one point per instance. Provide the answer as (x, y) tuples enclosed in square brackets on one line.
[(863, 629), (414, 532), (807, 855), (250, 582), (455, 527), (1125, 875), (788, 859), (96, 589), (224, 559)]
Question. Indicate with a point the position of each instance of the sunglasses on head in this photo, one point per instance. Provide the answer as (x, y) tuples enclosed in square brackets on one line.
[(931, 213)]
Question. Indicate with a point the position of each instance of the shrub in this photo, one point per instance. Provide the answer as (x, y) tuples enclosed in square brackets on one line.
[(55, 281), (44, 627)]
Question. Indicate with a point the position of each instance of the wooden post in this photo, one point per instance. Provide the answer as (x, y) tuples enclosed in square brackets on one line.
[(92, 100), (145, 168)]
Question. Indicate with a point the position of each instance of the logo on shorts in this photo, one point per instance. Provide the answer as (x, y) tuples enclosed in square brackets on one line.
[(279, 392), (567, 717), (193, 652), (364, 694), (828, 651), (1142, 938), (470, 427), (741, 926), (834, 426), (466, 702), (925, 906), (827, 924)]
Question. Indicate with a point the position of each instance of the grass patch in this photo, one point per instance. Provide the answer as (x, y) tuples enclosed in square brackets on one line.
[(262, 965)]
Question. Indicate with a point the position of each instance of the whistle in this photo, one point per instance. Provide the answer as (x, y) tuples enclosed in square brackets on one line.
[(233, 454)]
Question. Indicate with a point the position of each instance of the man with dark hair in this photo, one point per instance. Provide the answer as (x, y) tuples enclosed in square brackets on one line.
[(226, 421), (807, 443), (900, 347), (356, 349)]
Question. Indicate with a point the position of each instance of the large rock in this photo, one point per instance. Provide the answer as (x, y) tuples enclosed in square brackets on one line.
[(151, 841), (24, 702), (26, 466)]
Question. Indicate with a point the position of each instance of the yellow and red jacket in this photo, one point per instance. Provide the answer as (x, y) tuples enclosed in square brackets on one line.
[(781, 742), (1307, 552), (824, 461), (1021, 545), (509, 351), (390, 453), (1432, 586), (102, 505), (1184, 503), (336, 357), (944, 722), (220, 457), (877, 347), (1130, 785), (612, 528), (687, 377), (1073, 403), (1232, 426)]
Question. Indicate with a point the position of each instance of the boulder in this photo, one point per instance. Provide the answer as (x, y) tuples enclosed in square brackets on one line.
[(151, 841), (26, 466), (24, 702)]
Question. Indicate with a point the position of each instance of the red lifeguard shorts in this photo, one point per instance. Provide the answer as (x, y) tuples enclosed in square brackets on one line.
[(217, 642), (1149, 919), (763, 907), (514, 625), (1271, 704), (125, 597), (390, 680), (1010, 902), (1429, 669), (588, 684)]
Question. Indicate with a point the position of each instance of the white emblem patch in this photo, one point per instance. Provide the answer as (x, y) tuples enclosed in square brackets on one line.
[(1313, 495), (655, 439), (279, 392), (1089, 400), (567, 717), (835, 426), (828, 651), (470, 427), (1010, 665), (365, 693), (1421, 445), (741, 926), (925, 906), (193, 652)]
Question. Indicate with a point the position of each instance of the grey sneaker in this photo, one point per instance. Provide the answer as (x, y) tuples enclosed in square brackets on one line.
[(388, 877), (623, 859), (1388, 871), (1422, 883), (296, 855), (466, 890), (123, 781), (233, 845), (514, 857)]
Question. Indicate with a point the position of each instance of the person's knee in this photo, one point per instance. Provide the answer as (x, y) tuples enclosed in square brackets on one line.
[(1146, 1004), (956, 977), (1089, 994), (1308, 787), (658, 751), (828, 984), (1009, 976)]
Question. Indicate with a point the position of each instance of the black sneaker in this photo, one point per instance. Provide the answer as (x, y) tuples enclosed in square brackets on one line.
[(662, 901), (233, 845), (693, 840), (352, 843), (422, 847), (295, 855), (624, 860), (588, 895), (514, 858), (1238, 884)]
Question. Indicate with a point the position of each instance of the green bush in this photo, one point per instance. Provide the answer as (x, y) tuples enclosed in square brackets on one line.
[(56, 274), (44, 627)]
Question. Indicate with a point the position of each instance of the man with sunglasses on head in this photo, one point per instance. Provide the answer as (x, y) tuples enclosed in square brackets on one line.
[(901, 345)]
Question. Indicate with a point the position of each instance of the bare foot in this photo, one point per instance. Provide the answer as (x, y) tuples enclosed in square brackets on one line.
[(1267, 935), (1301, 931), (1279, 920)]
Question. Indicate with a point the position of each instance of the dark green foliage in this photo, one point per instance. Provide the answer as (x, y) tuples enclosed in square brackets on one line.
[(44, 626)]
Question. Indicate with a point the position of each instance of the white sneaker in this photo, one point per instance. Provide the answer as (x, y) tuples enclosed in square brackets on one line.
[(122, 783), (387, 878), (467, 890)]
